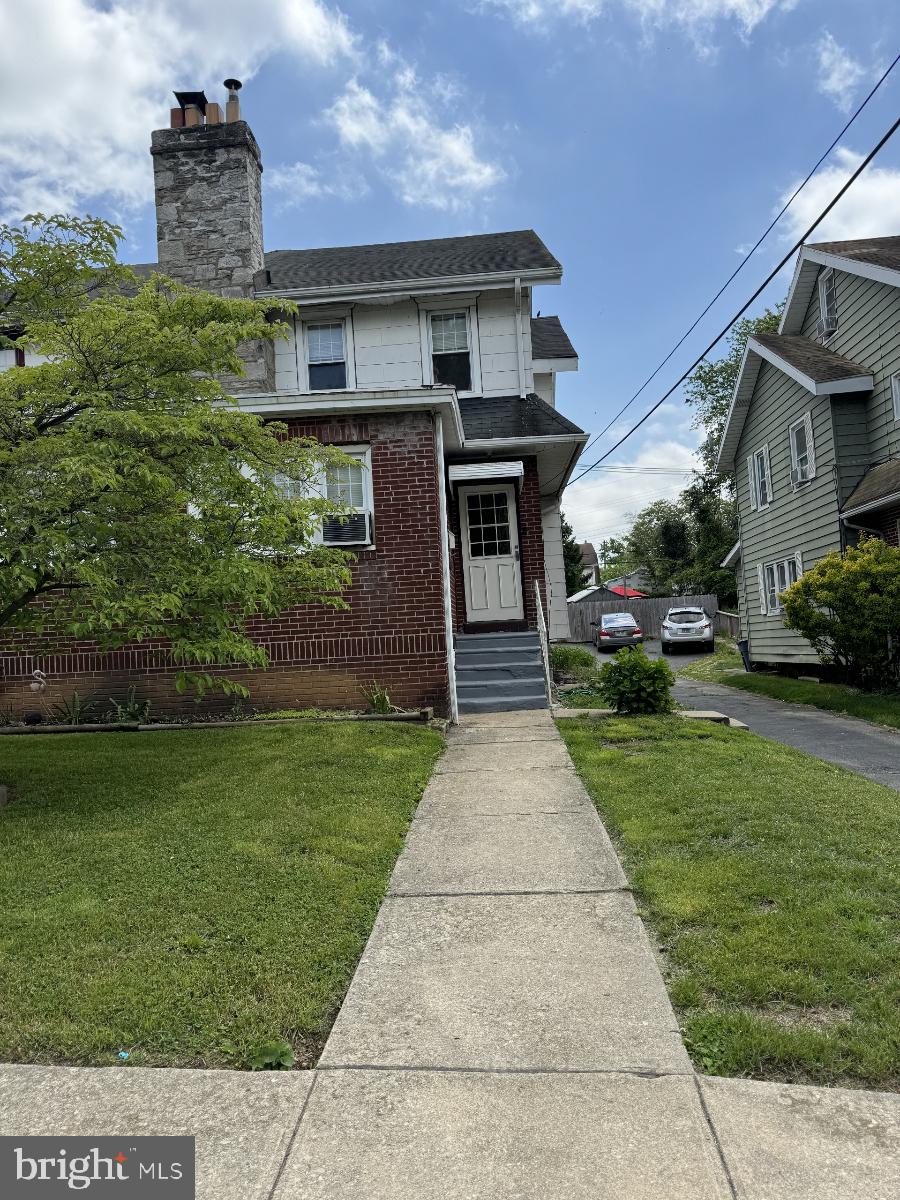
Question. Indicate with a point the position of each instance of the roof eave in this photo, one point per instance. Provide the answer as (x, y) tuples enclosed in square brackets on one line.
[(809, 262), (420, 287), (881, 502), (851, 383), (554, 365)]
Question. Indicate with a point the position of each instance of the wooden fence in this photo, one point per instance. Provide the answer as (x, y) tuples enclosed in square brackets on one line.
[(648, 612), (728, 623)]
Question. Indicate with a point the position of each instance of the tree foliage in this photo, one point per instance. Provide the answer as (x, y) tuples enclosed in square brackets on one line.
[(710, 388), (848, 609), (576, 575), (137, 501)]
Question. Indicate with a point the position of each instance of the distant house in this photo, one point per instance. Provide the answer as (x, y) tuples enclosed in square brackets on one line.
[(590, 563), (813, 434)]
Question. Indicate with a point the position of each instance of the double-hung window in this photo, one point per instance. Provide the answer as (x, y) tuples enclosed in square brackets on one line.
[(828, 320), (451, 358), (775, 578), (350, 485), (803, 452), (760, 478), (326, 356)]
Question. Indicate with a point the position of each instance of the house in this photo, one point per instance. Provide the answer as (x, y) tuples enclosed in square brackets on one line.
[(422, 360), (813, 433)]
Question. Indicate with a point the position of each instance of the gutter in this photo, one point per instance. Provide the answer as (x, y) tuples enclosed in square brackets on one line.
[(445, 570), (422, 287), (881, 502)]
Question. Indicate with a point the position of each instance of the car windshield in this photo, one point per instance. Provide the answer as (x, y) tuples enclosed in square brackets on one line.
[(686, 616), (618, 620)]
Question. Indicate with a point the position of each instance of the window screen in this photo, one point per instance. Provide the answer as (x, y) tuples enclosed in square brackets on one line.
[(345, 485), (450, 350), (326, 357)]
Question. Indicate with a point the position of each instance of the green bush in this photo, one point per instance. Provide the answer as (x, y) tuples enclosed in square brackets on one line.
[(633, 683), (573, 662)]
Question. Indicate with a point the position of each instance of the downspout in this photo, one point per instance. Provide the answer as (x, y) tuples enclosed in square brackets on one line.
[(520, 345), (445, 566)]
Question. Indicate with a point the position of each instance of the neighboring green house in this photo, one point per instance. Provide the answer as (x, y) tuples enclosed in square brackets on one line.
[(813, 433)]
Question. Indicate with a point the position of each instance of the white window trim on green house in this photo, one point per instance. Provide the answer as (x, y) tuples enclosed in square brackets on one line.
[(895, 395), (802, 471), (760, 459), (775, 577), (828, 316)]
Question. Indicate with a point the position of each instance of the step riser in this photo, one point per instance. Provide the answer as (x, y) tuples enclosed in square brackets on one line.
[(497, 689), (497, 641), (499, 671), (508, 704), (491, 658)]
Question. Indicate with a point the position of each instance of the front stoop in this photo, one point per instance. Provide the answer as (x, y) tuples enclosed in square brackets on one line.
[(499, 672)]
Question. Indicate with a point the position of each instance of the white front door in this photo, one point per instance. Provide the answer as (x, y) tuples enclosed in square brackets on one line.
[(490, 551)]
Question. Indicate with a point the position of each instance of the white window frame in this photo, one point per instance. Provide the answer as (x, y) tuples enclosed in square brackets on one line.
[(768, 578), (753, 472), (344, 318), (470, 308), (804, 423), (826, 278), (364, 453), (895, 394)]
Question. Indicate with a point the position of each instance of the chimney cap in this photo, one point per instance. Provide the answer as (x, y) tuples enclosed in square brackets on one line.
[(196, 98), (233, 85)]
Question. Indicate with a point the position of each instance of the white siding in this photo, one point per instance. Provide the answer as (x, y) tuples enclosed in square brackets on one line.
[(545, 386), (499, 353), (286, 379), (388, 347), (554, 571)]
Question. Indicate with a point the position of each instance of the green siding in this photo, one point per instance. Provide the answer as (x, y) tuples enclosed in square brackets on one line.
[(851, 433)]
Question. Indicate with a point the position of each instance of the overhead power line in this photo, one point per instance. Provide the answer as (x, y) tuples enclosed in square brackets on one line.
[(762, 287), (734, 274)]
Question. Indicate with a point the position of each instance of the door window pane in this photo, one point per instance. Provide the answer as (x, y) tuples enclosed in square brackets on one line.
[(488, 521)]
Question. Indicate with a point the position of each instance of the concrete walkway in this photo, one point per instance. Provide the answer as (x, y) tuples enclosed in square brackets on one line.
[(507, 1036), (846, 741)]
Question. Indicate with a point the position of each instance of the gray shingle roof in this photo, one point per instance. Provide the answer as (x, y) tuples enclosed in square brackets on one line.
[(817, 362), (513, 417), (880, 252), (395, 262), (549, 339), (877, 484)]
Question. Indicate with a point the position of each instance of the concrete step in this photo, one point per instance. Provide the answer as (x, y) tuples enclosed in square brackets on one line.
[(501, 687), (496, 641), (504, 703), (508, 670), (466, 657)]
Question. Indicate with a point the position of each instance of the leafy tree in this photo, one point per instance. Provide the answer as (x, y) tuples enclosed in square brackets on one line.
[(137, 501), (848, 609), (712, 522), (615, 558), (709, 389), (660, 543), (576, 576)]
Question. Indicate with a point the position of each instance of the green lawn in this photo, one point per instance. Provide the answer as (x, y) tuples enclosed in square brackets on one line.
[(184, 896), (883, 708), (770, 879)]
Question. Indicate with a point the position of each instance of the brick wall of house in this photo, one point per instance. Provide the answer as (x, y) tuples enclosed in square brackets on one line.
[(531, 548), (888, 522), (392, 632)]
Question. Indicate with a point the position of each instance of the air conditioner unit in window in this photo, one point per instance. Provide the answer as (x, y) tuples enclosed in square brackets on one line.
[(799, 475), (825, 326), (354, 530)]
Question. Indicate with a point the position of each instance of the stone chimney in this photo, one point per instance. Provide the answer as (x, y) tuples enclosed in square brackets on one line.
[(207, 176)]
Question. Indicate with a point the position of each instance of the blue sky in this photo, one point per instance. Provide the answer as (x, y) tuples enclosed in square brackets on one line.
[(645, 140)]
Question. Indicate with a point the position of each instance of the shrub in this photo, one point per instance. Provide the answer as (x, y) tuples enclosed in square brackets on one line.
[(573, 662), (632, 683), (848, 609)]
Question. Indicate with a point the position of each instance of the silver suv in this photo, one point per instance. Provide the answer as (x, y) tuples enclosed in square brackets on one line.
[(687, 627)]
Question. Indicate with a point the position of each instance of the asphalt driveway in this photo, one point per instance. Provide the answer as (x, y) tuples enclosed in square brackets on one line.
[(857, 745), (846, 741)]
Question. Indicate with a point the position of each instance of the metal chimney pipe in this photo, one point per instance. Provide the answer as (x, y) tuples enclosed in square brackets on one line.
[(233, 105)]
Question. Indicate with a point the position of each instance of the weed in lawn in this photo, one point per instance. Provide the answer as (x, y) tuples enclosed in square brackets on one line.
[(275, 1055)]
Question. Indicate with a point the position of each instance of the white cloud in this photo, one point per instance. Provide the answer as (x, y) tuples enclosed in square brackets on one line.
[(294, 183), (427, 160), (602, 504), (85, 83), (695, 16), (871, 208), (839, 72), (87, 80)]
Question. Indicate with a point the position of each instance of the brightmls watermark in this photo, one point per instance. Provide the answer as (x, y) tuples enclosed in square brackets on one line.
[(103, 1168)]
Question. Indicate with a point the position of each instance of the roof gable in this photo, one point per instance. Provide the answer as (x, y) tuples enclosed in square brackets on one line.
[(873, 258)]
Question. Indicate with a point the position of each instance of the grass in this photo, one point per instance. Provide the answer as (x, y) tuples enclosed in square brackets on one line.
[(185, 896), (770, 879), (882, 708), (709, 668)]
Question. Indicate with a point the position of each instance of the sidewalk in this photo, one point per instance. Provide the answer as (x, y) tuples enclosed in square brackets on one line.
[(507, 1036)]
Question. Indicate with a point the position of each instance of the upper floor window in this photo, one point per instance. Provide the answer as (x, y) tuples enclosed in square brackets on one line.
[(760, 478), (326, 356), (450, 356), (827, 322), (803, 453), (895, 395)]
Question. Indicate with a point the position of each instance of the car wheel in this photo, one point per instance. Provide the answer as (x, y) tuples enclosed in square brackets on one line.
[(712, 646), (666, 649)]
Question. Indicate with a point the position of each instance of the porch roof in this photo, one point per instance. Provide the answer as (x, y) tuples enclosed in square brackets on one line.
[(878, 487), (513, 417)]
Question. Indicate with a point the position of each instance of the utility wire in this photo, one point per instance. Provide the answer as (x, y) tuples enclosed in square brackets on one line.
[(762, 287), (734, 274)]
